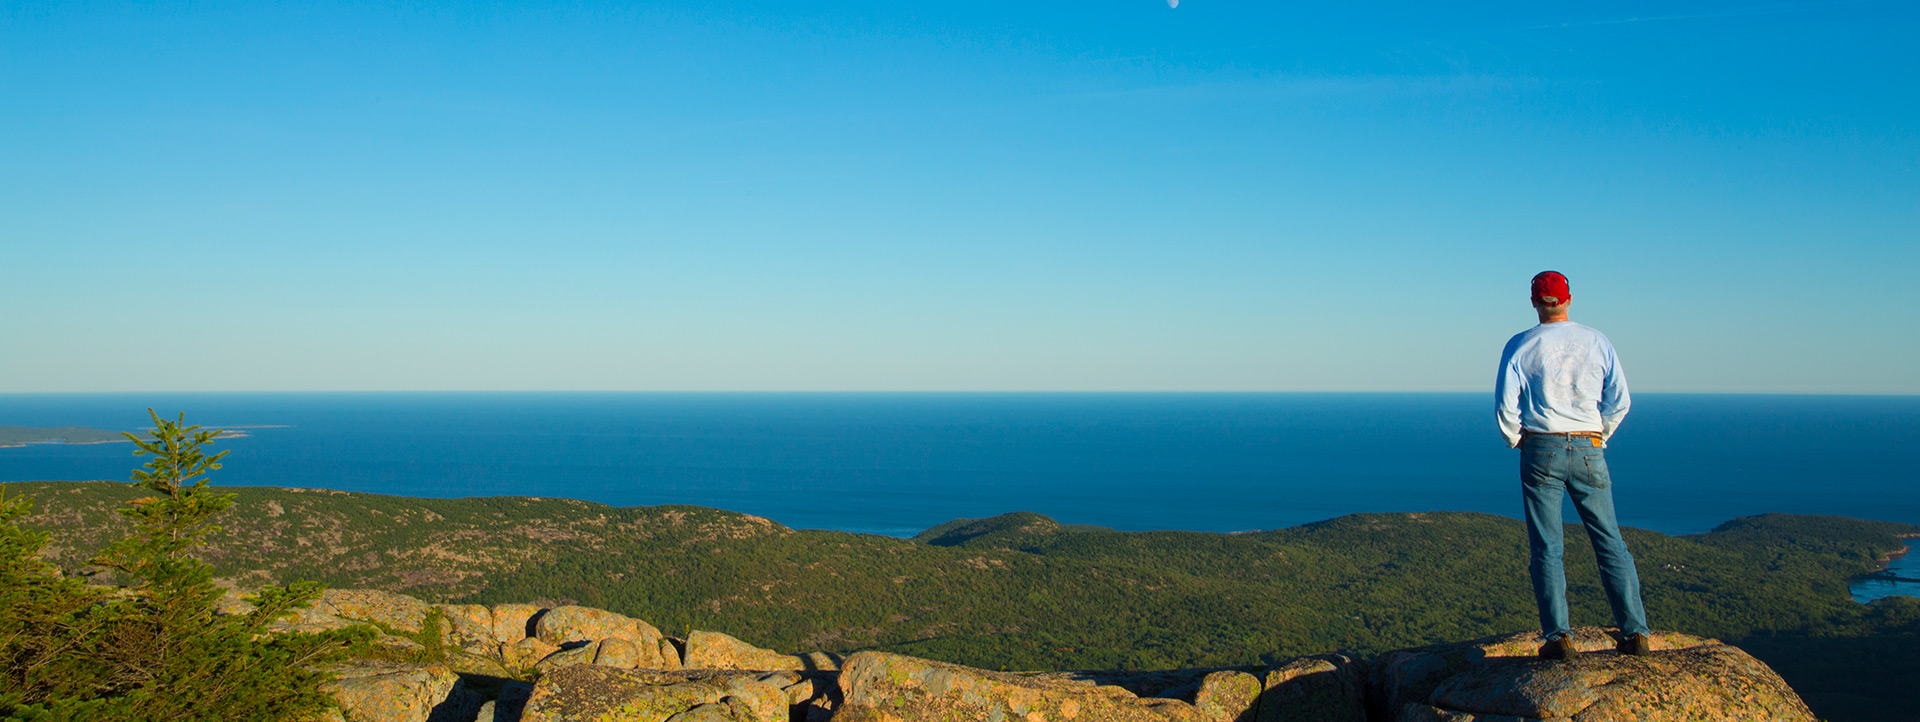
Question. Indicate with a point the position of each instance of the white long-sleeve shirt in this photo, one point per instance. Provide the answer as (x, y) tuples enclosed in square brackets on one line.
[(1559, 377)]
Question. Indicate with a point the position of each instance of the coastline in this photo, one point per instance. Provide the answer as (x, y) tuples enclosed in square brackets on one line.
[(57, 442), (1888, 558), (238, 431), (1886, 581)]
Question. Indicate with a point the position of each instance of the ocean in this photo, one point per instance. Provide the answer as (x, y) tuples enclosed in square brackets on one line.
[(897, 463)]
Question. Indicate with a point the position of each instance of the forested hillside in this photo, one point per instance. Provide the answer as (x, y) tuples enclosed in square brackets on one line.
[(1021, 591)]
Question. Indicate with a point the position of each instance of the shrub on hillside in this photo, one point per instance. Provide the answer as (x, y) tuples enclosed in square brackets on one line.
[(154, 648)]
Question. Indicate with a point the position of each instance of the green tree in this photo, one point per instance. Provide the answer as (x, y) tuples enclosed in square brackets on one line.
[(42, 618), (158, 648)]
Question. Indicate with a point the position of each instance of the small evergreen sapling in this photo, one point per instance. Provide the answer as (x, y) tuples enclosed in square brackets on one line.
[(157, 649)]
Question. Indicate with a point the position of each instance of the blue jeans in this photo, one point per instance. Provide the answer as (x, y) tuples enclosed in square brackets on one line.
[(1551, 466)]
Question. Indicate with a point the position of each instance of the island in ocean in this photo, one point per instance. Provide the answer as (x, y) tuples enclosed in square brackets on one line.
[(1022, 592), (11, 436), (15, 436)]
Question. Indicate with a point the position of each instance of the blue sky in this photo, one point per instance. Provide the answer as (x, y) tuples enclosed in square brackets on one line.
[(965, 196)]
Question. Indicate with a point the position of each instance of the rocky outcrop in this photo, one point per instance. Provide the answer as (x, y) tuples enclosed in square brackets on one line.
[(514, 622), (713, 650), (622, 654), (878, 687), (376, 692), (342, 608), (504, 639), (1500, 678), (1228, 695), (642, 644), (572, 624), (604, 694), (398, 612), (525, 654), (470, 627), (1328, 687), (606, 667)]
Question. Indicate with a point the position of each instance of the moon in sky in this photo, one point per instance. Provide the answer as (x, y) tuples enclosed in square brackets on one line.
[(1173, 3)]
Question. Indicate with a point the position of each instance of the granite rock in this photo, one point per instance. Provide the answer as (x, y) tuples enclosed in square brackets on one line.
[(713, 650), (514, 622), (881, 687), (1501, 678), (469, 627), (397, 611), (569, 656), (561, 625), (584, 693), (1228, 696), (606, 667), (375, 692), (525, 653), (619, 653), (1322, 688)]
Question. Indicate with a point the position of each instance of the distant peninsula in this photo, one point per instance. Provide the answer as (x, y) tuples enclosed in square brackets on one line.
[(17, 436), (11, 436)]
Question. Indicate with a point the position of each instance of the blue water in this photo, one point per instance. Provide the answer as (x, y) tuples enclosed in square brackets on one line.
[(898, 463), (1905, 567)]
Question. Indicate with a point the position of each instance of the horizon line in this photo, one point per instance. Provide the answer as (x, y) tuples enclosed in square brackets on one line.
[(948, 392)]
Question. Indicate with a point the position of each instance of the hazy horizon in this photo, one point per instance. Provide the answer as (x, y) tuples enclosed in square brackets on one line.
[(931, 392)]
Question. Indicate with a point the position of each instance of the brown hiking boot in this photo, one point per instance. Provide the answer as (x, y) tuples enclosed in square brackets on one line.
[(1635, 644), (1557, 648)]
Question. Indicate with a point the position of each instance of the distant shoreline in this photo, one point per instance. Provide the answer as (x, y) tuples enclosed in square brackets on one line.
[(58, 442), (1898, 553), (55, 436), (447, 393)]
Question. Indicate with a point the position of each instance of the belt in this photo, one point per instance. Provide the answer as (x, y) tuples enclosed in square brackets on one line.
[(1594, 437)]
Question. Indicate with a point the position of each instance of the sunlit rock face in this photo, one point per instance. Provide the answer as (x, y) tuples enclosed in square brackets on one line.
[(597, 665), (1501, 678)]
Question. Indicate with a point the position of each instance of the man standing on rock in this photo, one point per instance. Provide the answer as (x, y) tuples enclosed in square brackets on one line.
[(1560, 396)]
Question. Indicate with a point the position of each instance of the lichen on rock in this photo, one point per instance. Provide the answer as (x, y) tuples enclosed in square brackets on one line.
[(1499, 678), (397, 611), (376, 692), (881, 687), (560, 625), (591, 693), (714, 650), (513, 622), (469, 627), (600, 666)]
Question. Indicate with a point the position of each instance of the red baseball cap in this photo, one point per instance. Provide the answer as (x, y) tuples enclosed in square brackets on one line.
[(1550, 288)]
